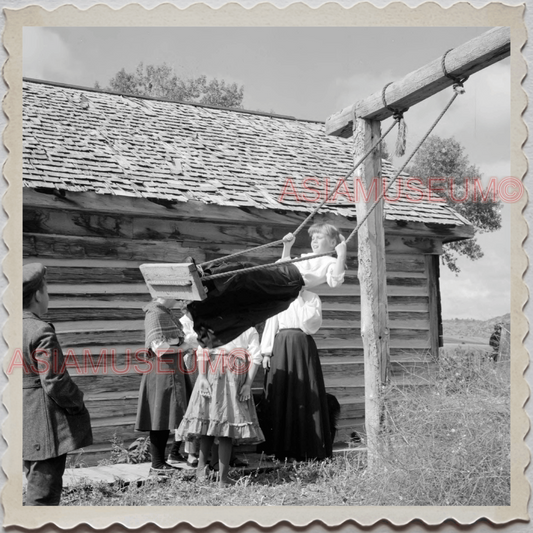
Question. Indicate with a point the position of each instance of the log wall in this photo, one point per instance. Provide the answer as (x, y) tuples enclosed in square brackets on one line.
[(93, 249)]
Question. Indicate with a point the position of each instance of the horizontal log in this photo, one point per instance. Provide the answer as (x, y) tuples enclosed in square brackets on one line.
[(38, 245), (89, 214), (355, 316), (343, 333), (197, 234), (60, 290), (326, 338), (110, 408), (464, 60), (99, 275), (68, 295), (86, 313), (84, 263), (330, 318), (124, 431), (53, 222), (356, 368), (83, 275), (100, 325), (191, 210), (92, 385), (354, 344), (118, 353), (99, 339), (413, 322), (353, 291)]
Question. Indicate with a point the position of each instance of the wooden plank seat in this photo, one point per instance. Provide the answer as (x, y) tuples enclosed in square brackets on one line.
[(178, 281)]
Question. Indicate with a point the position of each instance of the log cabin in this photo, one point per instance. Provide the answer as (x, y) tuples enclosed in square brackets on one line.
[(112, 181)]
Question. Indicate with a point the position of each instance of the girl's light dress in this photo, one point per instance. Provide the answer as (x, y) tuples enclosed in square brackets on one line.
[(223, 415)]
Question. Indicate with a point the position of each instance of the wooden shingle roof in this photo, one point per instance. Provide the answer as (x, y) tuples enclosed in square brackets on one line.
[(82, 140)]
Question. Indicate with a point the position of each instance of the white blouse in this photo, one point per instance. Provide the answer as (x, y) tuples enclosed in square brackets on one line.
[(249, 340), (319, 270), (304, 313)]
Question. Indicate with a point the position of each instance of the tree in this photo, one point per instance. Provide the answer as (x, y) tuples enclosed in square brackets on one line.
[(160, 81), (446, 158)]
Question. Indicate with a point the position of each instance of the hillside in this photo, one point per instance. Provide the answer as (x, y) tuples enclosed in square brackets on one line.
[(477, 330)]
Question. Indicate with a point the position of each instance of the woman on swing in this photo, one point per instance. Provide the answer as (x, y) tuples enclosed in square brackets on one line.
[(244, 298)]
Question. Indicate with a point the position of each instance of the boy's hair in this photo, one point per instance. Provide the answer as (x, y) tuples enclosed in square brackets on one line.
[(327, 229)]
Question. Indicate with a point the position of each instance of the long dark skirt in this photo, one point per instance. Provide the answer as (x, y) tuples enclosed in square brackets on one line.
[(296, 410), (162, 395), (242, 300)]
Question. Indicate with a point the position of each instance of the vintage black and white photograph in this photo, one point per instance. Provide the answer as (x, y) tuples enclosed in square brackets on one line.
[(267, 266)]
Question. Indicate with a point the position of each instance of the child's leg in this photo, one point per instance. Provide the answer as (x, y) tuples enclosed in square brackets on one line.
[(206, 443), (224, 456), (191, 449), (214, 457), (158, 443)]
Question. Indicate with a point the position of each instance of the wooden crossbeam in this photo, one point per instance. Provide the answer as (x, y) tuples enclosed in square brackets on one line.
[(465, 60)]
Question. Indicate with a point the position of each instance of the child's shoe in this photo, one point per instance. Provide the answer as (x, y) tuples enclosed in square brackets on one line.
[(176, 459), (164, 470)]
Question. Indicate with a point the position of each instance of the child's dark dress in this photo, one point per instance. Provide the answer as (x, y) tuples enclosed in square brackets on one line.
[(162, 393)]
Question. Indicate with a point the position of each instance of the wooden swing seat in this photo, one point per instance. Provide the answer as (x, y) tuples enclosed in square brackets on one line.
[(177, 281)]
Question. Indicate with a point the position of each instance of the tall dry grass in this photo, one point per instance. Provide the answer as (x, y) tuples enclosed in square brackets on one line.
[(448, 443), (445, 443)]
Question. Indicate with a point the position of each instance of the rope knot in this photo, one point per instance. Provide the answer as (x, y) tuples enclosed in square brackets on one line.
[(401, 140)]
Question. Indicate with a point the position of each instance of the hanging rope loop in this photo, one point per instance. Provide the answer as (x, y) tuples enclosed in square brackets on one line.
[(458, 85), (401, 140)]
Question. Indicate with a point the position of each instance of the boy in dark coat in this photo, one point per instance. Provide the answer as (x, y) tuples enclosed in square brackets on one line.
[(55, 419)]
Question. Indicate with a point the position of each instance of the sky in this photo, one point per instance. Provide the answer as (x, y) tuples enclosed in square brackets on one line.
[(311, 73)]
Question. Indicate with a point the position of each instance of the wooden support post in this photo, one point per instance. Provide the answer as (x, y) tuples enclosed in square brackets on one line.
[(435, 316), (373, 283)]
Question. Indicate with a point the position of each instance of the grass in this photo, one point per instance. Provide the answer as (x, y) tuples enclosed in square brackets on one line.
[(444, 444)]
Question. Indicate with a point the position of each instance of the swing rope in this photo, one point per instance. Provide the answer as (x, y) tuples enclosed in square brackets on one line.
[(458, 89), (315, 210)]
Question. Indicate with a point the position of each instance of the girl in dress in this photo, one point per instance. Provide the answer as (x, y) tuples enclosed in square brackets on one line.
[(162, 394), (221, 405), (297, 418)]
